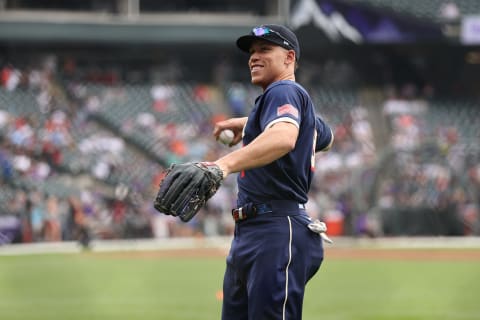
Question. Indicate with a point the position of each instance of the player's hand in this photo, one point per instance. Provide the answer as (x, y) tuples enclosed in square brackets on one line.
[(234, 124)]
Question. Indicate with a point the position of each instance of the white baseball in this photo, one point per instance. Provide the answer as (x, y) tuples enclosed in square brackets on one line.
[(226, 136)]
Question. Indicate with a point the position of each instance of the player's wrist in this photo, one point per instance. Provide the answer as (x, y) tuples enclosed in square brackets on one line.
[(223, 167)]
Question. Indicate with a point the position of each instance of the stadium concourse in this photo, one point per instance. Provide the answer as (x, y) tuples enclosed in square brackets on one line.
[(81, 156)]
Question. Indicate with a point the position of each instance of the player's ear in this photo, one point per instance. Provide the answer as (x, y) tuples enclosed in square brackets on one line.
[(290, 57)]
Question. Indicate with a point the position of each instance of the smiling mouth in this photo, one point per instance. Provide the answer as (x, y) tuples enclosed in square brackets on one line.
[(255, 68)]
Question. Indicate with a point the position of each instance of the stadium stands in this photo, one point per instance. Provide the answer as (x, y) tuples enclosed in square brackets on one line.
[(125, 139), (96, 141), (434, 10)]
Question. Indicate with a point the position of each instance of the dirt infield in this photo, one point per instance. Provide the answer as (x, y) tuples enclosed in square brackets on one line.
[(405, 254), (434, 248), (330, 253), (166, 253)]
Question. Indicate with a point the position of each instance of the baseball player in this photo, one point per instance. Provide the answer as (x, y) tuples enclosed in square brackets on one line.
[(276, 247)]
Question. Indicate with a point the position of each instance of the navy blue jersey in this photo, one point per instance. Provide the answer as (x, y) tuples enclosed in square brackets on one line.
[(289, 177), (324, 135)]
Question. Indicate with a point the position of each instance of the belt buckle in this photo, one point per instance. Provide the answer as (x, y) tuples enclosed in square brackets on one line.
[(241, 215), (246, 211), (238, 214)]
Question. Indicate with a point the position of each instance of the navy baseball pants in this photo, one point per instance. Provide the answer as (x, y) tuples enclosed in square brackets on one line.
[(271, 259)]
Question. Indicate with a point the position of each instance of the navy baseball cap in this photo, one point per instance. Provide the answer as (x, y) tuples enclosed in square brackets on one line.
[(274, 33)]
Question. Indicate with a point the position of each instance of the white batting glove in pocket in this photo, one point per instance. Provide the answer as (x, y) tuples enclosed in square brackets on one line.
[(320, 227)]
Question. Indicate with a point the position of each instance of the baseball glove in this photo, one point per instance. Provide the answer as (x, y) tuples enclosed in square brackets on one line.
[(185, 188)]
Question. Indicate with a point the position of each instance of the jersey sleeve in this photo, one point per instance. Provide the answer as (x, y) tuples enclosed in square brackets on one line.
[(282, 104), (324, 135)]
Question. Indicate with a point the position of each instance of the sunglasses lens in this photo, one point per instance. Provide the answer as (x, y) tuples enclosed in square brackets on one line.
[(260, 31)]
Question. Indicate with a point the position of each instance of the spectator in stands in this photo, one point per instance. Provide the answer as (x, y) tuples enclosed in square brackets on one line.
[(81, 231), (21, 134), (6, 165), (10, 77), (161, 95), (52, 225), (449, 11), (37, 214)]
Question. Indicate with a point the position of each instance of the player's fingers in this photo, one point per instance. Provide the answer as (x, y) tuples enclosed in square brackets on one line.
[(219, 127), (234, 124), (216, 132), (236, 139)]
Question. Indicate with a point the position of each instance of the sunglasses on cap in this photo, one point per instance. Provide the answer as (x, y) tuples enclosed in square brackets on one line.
[(262, 31)]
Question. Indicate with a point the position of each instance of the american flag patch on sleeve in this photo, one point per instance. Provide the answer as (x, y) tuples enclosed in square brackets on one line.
[(287, 109)]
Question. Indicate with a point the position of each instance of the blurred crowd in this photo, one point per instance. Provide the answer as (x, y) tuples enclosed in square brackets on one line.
[(66, 175)]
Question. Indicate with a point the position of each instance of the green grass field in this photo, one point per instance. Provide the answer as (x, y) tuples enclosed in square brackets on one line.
[(94, 286)]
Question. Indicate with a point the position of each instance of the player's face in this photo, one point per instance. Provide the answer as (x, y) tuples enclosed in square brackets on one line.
[(268, 63)]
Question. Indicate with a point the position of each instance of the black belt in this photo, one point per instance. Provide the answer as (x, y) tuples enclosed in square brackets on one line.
[(251, 210)]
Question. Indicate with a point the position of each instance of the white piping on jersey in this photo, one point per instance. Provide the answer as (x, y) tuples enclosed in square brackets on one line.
[(288, 265), (283, 119)]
